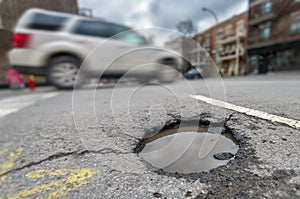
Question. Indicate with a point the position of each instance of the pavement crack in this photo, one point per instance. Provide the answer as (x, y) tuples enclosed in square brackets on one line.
[(103, 151), (49, 158), (229, 117)]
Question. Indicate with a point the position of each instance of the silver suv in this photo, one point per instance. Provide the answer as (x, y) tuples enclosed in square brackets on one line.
[(56, 45)]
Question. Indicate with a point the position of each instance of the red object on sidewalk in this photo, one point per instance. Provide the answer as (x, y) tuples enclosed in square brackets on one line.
[(31, 83), (14, 79)]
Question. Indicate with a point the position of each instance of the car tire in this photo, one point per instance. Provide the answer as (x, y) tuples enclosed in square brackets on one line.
[(63, 71)]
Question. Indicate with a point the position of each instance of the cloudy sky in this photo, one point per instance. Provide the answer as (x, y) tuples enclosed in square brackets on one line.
[(164, 13)]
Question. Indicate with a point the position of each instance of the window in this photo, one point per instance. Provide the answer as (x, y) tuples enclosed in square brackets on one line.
[(295, 25), (264, 31), (229, 30), (199, 40), (240, 26), (98, 29), (220, 34), (297, 1), (207, 40), (266, 7), (46, 22), (131, 37)]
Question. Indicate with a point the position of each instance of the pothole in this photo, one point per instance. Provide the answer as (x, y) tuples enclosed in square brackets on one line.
[(188, 148)]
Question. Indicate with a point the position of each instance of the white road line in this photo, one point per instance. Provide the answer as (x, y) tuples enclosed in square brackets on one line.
[(256, 113), (14, 104)]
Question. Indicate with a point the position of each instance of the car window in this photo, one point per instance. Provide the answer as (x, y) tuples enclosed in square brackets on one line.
[(192, 71), (131, 37), (46, 22), (98, 29)]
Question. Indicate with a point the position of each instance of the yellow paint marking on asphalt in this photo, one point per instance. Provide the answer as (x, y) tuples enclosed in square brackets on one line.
[(74, 178), (5, 166), (3, 151)]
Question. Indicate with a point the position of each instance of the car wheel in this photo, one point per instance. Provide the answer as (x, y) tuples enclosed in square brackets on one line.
[(62, 72)]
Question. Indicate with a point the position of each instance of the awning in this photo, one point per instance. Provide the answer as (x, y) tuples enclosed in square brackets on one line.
[(275, 47)]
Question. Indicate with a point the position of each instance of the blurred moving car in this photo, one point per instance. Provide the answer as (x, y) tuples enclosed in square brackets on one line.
[(55, 45), (194, 73)]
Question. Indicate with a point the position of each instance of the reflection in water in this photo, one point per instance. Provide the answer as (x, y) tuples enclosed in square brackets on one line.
[(188, 151)]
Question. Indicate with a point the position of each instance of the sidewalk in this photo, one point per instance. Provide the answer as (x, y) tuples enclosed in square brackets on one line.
[(40, 89), (284, 73)]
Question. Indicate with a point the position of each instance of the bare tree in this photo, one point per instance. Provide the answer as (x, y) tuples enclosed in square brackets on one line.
[(186, 27)]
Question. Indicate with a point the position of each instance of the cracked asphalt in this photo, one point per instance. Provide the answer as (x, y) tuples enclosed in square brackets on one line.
[(83, 144)]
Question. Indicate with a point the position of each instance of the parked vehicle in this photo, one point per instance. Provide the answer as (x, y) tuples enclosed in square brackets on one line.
[(194, 73), (55, 45)]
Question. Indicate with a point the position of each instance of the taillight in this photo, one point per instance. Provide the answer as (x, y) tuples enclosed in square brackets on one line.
[(21, 40)]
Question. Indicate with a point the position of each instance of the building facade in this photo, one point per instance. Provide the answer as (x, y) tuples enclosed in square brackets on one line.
[(204, 55), (226, 45), (11, 10), (274, 35)]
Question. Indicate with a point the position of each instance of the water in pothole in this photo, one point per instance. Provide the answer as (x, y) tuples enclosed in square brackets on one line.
[(189, 150)]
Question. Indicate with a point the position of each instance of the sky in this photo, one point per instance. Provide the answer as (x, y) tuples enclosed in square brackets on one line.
[(164, 13)]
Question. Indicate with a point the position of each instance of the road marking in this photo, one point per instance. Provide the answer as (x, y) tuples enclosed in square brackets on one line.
[(68, 179), (5, 166), (74, 178), (251, 112), (14, 104)]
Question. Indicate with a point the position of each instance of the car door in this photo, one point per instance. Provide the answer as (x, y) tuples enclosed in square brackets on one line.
[(130, 50)]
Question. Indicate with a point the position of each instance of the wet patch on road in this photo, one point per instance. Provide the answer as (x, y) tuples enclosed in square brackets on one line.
[(186, 148)]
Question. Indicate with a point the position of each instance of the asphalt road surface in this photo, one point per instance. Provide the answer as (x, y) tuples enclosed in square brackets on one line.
[(84, 143)]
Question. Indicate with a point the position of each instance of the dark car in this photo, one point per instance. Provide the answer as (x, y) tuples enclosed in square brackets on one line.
[(194, 73)]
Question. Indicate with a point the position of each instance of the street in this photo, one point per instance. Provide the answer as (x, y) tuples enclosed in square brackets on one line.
[(84, 143)]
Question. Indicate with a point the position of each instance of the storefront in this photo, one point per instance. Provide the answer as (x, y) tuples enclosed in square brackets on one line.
[(284, 56)]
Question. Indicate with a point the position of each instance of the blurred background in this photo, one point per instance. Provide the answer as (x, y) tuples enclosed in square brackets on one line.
[(241, 36)]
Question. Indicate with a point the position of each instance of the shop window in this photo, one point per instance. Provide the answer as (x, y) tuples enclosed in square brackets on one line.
[(280, 59)]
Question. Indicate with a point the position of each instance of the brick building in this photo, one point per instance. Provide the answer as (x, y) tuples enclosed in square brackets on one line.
[(10, 11), (274, 35), (203, 55), (226, 44)]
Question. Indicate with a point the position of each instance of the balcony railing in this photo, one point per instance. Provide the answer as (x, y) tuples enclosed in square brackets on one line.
[(259, 18), (231, 38), (231, 55)]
